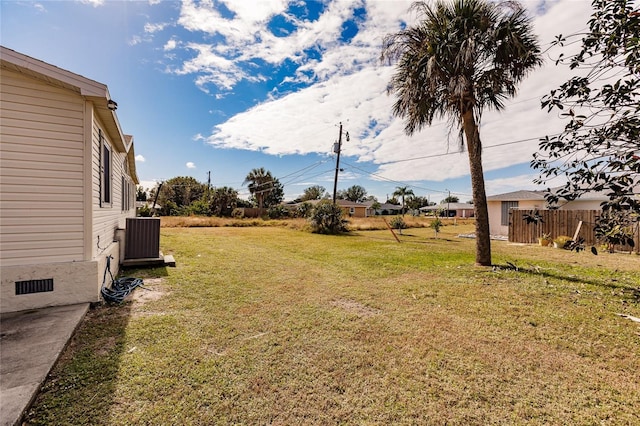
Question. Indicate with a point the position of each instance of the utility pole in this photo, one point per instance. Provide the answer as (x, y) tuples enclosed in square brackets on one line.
[(337, 147)]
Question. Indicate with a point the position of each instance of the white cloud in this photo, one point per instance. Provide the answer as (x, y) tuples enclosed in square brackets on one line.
[(246, 38), (135, 40), (213, 68), (140, 158), (154, 28), (190, 165), (170, 45), (347, 84), (149, 184), (94, 3)]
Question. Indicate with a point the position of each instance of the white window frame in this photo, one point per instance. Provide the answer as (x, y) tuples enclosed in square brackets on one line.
[(106, 171), (506, 208)]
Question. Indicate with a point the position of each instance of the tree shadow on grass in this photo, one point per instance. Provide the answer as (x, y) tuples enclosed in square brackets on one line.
[(546, 273)]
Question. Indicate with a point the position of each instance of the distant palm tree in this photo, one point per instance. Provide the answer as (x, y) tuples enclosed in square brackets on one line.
[(402, 191), (260, 184), (462, 57)]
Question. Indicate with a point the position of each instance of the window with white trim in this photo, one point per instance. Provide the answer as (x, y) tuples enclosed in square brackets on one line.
[(506, 207), (105, 171), (126, 195)]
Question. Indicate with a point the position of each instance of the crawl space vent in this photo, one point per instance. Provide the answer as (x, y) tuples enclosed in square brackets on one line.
[(34, 286)]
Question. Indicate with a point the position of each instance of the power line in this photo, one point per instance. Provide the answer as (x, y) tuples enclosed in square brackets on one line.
[(400, 182), (458, 153)]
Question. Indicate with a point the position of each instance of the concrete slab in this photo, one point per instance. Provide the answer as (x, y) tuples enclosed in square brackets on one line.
[(30, 344), (169, 260)]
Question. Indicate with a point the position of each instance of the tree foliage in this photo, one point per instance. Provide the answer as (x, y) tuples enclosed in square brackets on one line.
[(598, 150), (141, 194), (315, 192), (223, 201), (260, 183), (450, 199), (355, 193), (275, 194), (177, 194), (462, 57), (403, 191)]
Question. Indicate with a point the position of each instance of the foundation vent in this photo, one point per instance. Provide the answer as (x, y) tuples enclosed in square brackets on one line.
[(142, 238), (34, 286)]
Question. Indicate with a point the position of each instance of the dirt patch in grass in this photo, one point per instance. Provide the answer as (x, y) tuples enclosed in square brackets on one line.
[(354, 307), (152, 289)]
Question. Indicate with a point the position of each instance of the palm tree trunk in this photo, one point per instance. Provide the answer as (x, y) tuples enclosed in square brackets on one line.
[(474, 148)]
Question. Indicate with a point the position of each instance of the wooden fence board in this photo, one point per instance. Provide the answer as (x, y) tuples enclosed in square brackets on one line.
[(560, 222)]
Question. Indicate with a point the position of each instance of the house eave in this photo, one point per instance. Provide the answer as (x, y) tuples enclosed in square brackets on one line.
[(90, 90)]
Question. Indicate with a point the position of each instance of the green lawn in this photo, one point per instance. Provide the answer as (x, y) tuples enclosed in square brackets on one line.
[(273, 325)]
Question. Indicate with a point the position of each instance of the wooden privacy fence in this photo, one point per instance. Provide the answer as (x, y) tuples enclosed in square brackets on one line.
[(559, 222), (252, 212)]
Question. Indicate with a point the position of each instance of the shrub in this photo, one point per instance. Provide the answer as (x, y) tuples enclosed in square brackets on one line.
[(277, 212), (200, 208), (435, 225), (304, 210), (144, 211), (398, 223), (326, 218)]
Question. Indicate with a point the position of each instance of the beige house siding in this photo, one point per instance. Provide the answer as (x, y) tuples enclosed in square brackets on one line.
[(41, 170), (107, 218), (52, 226)]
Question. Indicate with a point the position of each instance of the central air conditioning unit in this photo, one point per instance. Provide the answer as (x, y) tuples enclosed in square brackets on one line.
[(142, 238)]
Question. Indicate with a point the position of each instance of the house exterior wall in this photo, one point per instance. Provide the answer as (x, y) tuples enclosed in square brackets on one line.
[(52, 224), (354, 211), (108, 217), (495, 214), (581, 205), (41, 171)]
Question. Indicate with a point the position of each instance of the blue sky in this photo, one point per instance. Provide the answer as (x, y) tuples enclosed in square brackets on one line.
[(224, 86)]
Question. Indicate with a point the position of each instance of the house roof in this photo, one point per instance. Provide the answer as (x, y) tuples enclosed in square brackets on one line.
[(388, 206), (517, 196), (341, 203), (451, 206), (347, 203), (523, 195), (91, 90)]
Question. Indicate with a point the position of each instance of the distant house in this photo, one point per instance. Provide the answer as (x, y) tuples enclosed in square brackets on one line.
[(67, 183), (499, 205), (355, 209), (463, 210), (349, 208), (385, 208)]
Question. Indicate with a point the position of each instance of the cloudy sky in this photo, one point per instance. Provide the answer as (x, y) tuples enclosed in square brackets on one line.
[(218, 87)]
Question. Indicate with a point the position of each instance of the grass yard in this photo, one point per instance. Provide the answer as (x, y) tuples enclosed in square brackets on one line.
[(273, 325)]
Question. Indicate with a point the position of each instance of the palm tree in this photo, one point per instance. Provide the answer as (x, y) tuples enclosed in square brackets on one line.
[(260, 184), (402, 191), (461, 57)]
